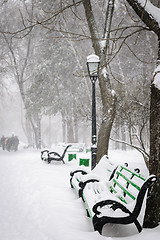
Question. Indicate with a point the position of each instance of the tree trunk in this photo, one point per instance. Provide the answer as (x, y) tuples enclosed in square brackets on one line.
[(70, 134), (75, 128), (123, 137), (64, 127), (36, 126), (106, 126), (152, 215), (29, 131), (116, 136), (107, 95)]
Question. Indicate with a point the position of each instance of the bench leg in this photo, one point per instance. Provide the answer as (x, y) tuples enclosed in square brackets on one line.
[(98, 224), (139, 228), (63, 161), (71, 183)]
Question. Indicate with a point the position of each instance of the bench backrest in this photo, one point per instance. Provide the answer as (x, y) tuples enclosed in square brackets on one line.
[(126, 184), (104, 168)]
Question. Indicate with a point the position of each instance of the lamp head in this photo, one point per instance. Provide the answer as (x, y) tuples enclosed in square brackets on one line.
[(93, 65)]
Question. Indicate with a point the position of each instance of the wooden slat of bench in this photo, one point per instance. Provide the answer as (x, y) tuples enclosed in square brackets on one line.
[(128, 180), (133, 173), (112, 190), (75, 187), (87, 206), (124, 189)]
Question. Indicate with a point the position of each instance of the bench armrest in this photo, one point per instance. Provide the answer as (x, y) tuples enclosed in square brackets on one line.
[(129, 218), (42, 152), (55, 153), (83, 172), (112, 204)]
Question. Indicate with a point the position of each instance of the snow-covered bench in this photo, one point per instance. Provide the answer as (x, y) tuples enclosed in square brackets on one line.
[(49, 156), (118, 201), (81, 176)]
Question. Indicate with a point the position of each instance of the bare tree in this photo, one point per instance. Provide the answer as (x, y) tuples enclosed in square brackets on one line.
[(153, 204), (19, 53), (100, 44)]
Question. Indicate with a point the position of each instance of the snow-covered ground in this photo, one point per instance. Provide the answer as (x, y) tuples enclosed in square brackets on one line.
[(37, 203)]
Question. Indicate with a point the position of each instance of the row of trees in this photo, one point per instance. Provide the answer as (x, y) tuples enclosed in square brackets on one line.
[(42, 63), (45, 51)]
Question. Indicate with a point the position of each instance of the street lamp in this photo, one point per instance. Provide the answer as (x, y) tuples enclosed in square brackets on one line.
[(93, 67)]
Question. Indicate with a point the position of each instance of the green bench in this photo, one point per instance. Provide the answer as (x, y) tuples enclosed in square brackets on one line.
[(80, 176), (118, 201)]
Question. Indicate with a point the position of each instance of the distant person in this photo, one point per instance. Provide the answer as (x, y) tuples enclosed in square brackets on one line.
[(3, 142), (12, 143), (8, 143), (16, 143)]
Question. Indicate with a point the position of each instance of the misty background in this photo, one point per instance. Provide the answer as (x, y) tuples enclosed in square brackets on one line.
[(45, 88)]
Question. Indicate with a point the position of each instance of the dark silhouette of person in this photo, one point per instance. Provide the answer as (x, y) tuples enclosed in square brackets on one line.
[(3, 142)]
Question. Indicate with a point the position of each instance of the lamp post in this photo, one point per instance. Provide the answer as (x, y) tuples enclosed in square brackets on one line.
[(93, 67)]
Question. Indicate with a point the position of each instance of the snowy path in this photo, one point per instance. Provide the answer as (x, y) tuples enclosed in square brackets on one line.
[(37, 203)]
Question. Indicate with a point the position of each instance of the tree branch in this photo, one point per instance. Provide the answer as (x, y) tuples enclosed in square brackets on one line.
[(142, 151), (145, 16)]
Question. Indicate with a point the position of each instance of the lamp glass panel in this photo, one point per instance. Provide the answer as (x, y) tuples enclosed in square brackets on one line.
[(93, 68)]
